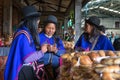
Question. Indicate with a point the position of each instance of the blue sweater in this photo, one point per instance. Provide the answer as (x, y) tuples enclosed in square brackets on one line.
[(51, 57)]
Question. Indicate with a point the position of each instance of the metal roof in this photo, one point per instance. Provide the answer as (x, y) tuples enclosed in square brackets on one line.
[(102, 8)]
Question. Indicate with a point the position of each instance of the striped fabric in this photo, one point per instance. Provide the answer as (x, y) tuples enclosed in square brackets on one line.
[(23, 32)]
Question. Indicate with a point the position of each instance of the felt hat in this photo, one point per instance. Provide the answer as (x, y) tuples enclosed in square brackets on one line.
[(30, 11), (51, 19), (94, 21)]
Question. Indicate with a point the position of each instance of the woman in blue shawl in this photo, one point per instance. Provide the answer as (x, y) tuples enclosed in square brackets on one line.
[(92, 39), (25, 45), (55, 45)]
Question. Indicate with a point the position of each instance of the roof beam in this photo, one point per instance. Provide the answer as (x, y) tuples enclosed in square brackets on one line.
[(52, 8), (56, 13), (69, 6), (84, 2), (55, 4), (38, 1), (27, 3), (110, 14), (43, 2), (116, 7), (60, 2)]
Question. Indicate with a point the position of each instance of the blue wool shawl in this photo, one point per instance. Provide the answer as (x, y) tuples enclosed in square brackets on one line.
[(103, 43), (19, 51)]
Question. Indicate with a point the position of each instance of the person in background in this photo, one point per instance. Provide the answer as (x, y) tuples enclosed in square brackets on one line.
[(92, 39), (67, 37), (112, 37), (55, 45), (116, 44), (25, 47), (102, 29)]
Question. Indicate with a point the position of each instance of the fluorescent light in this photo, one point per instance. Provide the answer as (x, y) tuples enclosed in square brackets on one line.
[(116, 11), (98, 0), (91, 8), (111, 10), (101, 7), (105, 8)]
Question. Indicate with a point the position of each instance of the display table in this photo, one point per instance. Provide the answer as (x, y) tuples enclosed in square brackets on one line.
[(4, 51)]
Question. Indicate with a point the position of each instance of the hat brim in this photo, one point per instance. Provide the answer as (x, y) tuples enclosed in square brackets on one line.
[(35, 14), (87, 21)]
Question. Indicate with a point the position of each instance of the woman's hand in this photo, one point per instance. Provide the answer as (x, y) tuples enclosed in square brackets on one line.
[(52, 48), (44, 48)]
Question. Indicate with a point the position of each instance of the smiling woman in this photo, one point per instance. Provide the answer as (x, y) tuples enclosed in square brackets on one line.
[(55, 44), (50, 29)]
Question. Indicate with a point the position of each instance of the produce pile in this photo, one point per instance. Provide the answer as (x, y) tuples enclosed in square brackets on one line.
[(94, 65), (69, 46)]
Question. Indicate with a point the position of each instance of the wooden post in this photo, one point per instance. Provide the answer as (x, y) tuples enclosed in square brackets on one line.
[(7, 17), (1, 17)]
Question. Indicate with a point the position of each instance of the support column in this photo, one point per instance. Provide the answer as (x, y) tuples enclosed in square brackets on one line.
[(1, 17), (60, 29), (77, 19), (65, 24), (7, 17)]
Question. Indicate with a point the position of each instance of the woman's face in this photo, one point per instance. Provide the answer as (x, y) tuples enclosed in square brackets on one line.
[(88, 28), (37, 23), (50, 29)]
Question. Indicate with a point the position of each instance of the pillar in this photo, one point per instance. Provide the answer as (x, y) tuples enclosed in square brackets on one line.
[(7, 17), (78, 6), (1, 17), (65, 24)]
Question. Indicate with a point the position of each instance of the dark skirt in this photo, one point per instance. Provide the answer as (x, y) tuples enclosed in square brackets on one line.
[(27, 73)]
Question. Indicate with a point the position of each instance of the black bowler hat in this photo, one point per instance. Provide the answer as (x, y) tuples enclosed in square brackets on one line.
[(51, 19), (30, 11), (94, 21)]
